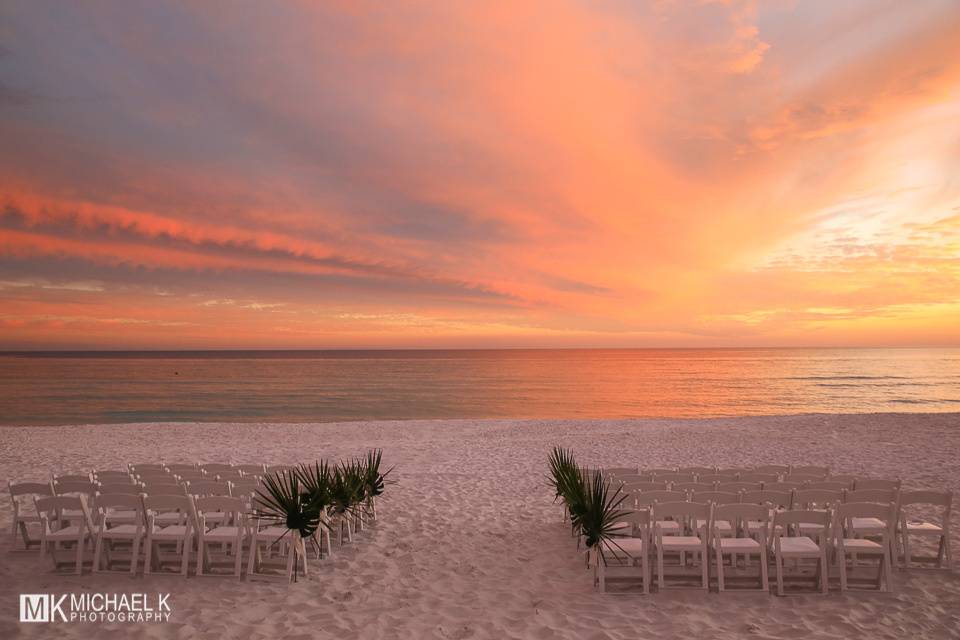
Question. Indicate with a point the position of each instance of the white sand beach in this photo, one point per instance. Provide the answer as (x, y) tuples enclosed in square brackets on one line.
[(469, 543)]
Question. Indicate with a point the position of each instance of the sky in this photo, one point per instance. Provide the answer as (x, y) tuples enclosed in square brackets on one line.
[(604, 173)]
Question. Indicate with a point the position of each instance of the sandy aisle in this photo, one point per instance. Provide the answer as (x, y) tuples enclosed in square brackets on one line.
[(469, 545)]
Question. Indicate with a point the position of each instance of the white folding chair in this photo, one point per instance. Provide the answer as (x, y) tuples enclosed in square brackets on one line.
[(870, 484), (646, 499), (177, 531), (698, 470), (714, 478), (923, 527), (262, 563), (115, 532), (763, 478), (692, 486), (817, 471), (619, 557), (675, 477), (55, 532), (776, 469), (866, 526), (829, 485), (220, 520), (71, 477), (22, 496), (257, 470), (212, 468), (724, 527), (773, 501), (184, 467), (737, 487), (691, 540), (112, 476), (733, 544), (789, 544), (620, 471), (847, 540)]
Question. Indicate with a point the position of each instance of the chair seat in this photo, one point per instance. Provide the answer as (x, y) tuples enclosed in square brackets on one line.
[(168, 518), (868, 524), (737, 545), (120, 516), (66, 533), (222, 533), (861, 545), (619, 526), (620, 546), (272, 533), (169, 533), (669, 527), (799, 545), (122, 530), (924, 527), (681, 542), (723, 526)]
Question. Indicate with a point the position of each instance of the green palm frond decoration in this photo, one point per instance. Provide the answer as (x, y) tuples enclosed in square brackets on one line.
[(601, 510), (315, 483), (373, 480), (593, 506), (280, 501), (347, 486)]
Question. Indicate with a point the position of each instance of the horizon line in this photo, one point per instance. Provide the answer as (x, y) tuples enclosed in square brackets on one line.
[(14, 352)]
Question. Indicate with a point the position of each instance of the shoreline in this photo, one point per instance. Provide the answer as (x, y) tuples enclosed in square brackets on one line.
[(515, 421)]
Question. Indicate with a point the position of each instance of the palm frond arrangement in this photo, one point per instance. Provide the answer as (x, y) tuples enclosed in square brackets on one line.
[(301, 499), (282, 502), (589, 498), (375, 481)]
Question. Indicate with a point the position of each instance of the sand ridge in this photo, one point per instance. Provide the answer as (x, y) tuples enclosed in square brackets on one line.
[(469, 544)]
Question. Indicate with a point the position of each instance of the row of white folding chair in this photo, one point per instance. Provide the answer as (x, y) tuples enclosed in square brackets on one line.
[(781, 500), (21, 494), (700, 534), (138, 520), (774, 470), (211, 468)]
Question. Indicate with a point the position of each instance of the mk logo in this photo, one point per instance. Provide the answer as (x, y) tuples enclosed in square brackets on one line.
[(41, 607)]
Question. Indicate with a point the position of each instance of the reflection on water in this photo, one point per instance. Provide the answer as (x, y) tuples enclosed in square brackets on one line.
[(360, 385)]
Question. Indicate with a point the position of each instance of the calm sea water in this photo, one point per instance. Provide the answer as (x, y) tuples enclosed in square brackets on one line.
[(320, 386)]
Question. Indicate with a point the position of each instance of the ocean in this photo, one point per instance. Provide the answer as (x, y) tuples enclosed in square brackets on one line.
[(325, 386)]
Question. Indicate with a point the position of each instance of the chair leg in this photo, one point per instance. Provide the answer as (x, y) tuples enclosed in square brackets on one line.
[(887, 570), (302, 542), (705, 567), (824, 573), (778, 561), (843, 570), (660, 581), (98, 549), (645, 569), (718, 554), (185, 559), (764, 571), (906, 550), (148, 556), (80, 541), (135, 557), (237, 554)]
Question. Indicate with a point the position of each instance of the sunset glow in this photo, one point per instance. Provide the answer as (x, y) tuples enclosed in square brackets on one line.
[(441, 174)]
